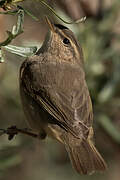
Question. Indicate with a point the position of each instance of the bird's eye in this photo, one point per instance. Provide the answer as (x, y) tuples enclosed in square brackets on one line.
[(66, 41)]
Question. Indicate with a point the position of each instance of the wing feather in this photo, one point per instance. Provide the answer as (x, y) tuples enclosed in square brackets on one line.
[(71, 108)]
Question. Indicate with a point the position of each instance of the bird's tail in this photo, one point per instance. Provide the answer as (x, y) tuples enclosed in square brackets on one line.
[(84, 157)]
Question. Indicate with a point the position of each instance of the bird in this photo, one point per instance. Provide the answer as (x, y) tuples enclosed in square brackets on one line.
[(56, 99)]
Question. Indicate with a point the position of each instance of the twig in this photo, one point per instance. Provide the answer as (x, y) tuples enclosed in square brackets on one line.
[(13, 130), (66, 22), (21, 51), (17, 29)]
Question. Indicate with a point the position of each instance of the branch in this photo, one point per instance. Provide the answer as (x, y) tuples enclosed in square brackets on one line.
[(66, 22), (16, 30), (13, 130), (6, 4), (21, 51)]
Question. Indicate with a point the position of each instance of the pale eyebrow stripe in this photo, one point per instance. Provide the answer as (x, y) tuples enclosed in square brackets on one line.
[(60, 26), (74, 45)]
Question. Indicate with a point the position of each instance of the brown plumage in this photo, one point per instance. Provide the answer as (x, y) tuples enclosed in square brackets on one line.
[(56, 99)]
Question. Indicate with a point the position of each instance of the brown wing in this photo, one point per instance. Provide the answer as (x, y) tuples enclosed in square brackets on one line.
[(71, 108), (78, 110)]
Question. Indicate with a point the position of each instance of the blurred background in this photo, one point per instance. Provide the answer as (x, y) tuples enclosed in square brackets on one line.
[(28, 158)]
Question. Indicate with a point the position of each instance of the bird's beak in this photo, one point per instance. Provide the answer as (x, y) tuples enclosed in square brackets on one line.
[(51, 26)]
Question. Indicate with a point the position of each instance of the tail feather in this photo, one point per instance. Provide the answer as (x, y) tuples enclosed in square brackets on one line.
[(85, 158)]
